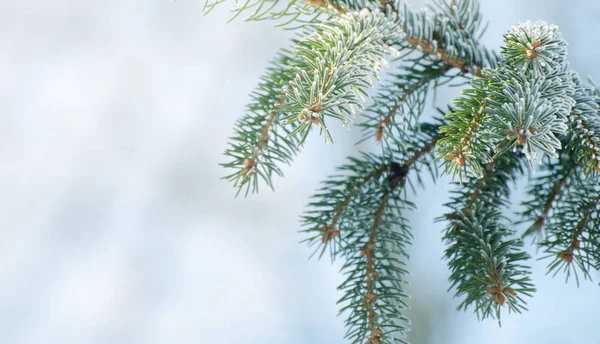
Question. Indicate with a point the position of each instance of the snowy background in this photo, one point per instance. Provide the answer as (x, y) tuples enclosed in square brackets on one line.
[(115, 227)]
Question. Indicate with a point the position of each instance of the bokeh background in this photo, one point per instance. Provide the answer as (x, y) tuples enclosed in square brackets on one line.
[(115, 226)]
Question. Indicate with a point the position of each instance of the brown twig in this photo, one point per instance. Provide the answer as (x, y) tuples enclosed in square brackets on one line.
[(326, 5), (554, 192), (478, 189), (250, 162), (369, 251), (458, 155), (458, 63)]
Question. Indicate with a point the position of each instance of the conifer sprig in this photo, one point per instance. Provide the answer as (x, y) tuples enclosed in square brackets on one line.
[(546, 189), (573, 238), (485, 260), (359, 215), (585, 127), (339, 58), (521, 105)]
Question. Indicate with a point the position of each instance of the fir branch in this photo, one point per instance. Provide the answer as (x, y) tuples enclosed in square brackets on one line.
[(486, 266), (567, 254), (485, 263), (404, 95), (301, 12), (319, 79), (261, 143), (535, 48), (369, 251), (364, 210), (573, 235), (590, 142), (339, 57), (585, 125), (450, 33), (340, 208), (557, 176), (525, 100), (326, 228), (463, 146)]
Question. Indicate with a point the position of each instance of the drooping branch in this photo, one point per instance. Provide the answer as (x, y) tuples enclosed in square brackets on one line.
[(370, 273), (330, 231), (567, 254), (399, 172), (555, 191)]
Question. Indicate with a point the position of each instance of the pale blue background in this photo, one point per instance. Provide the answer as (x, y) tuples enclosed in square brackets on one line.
[(115, 227)]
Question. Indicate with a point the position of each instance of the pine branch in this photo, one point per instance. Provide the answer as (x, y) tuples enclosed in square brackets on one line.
[(320, 79), (359, 217), (485, 263), (339, 57), (585, 125), (525, 100), (555, 178), (573, 234), (261, 144), (510, 109), (405, 95), (463, 145)]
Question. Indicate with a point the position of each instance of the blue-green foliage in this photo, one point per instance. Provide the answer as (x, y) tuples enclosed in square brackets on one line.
[(520, 106)]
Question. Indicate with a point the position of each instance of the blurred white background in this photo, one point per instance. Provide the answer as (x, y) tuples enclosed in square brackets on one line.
[(115, 227)]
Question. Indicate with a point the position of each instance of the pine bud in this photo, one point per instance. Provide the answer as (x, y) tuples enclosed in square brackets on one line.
[(531, 53)]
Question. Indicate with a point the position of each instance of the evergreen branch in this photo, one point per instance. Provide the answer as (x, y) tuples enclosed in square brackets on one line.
[(556, 189), (478, 188), (535, 48), (449, 33), (320, 78), (359, 217), (404, 95), (463, 145), (424, 150), (585, 142), (573, 235), (485, 263), (297, 11), (560, 174), (486, 266), (261, 143), (530, 113), (567, 254), (339, 56), (344, 203), (590, 142), (525, 100), (369, 251), (329, 231)]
